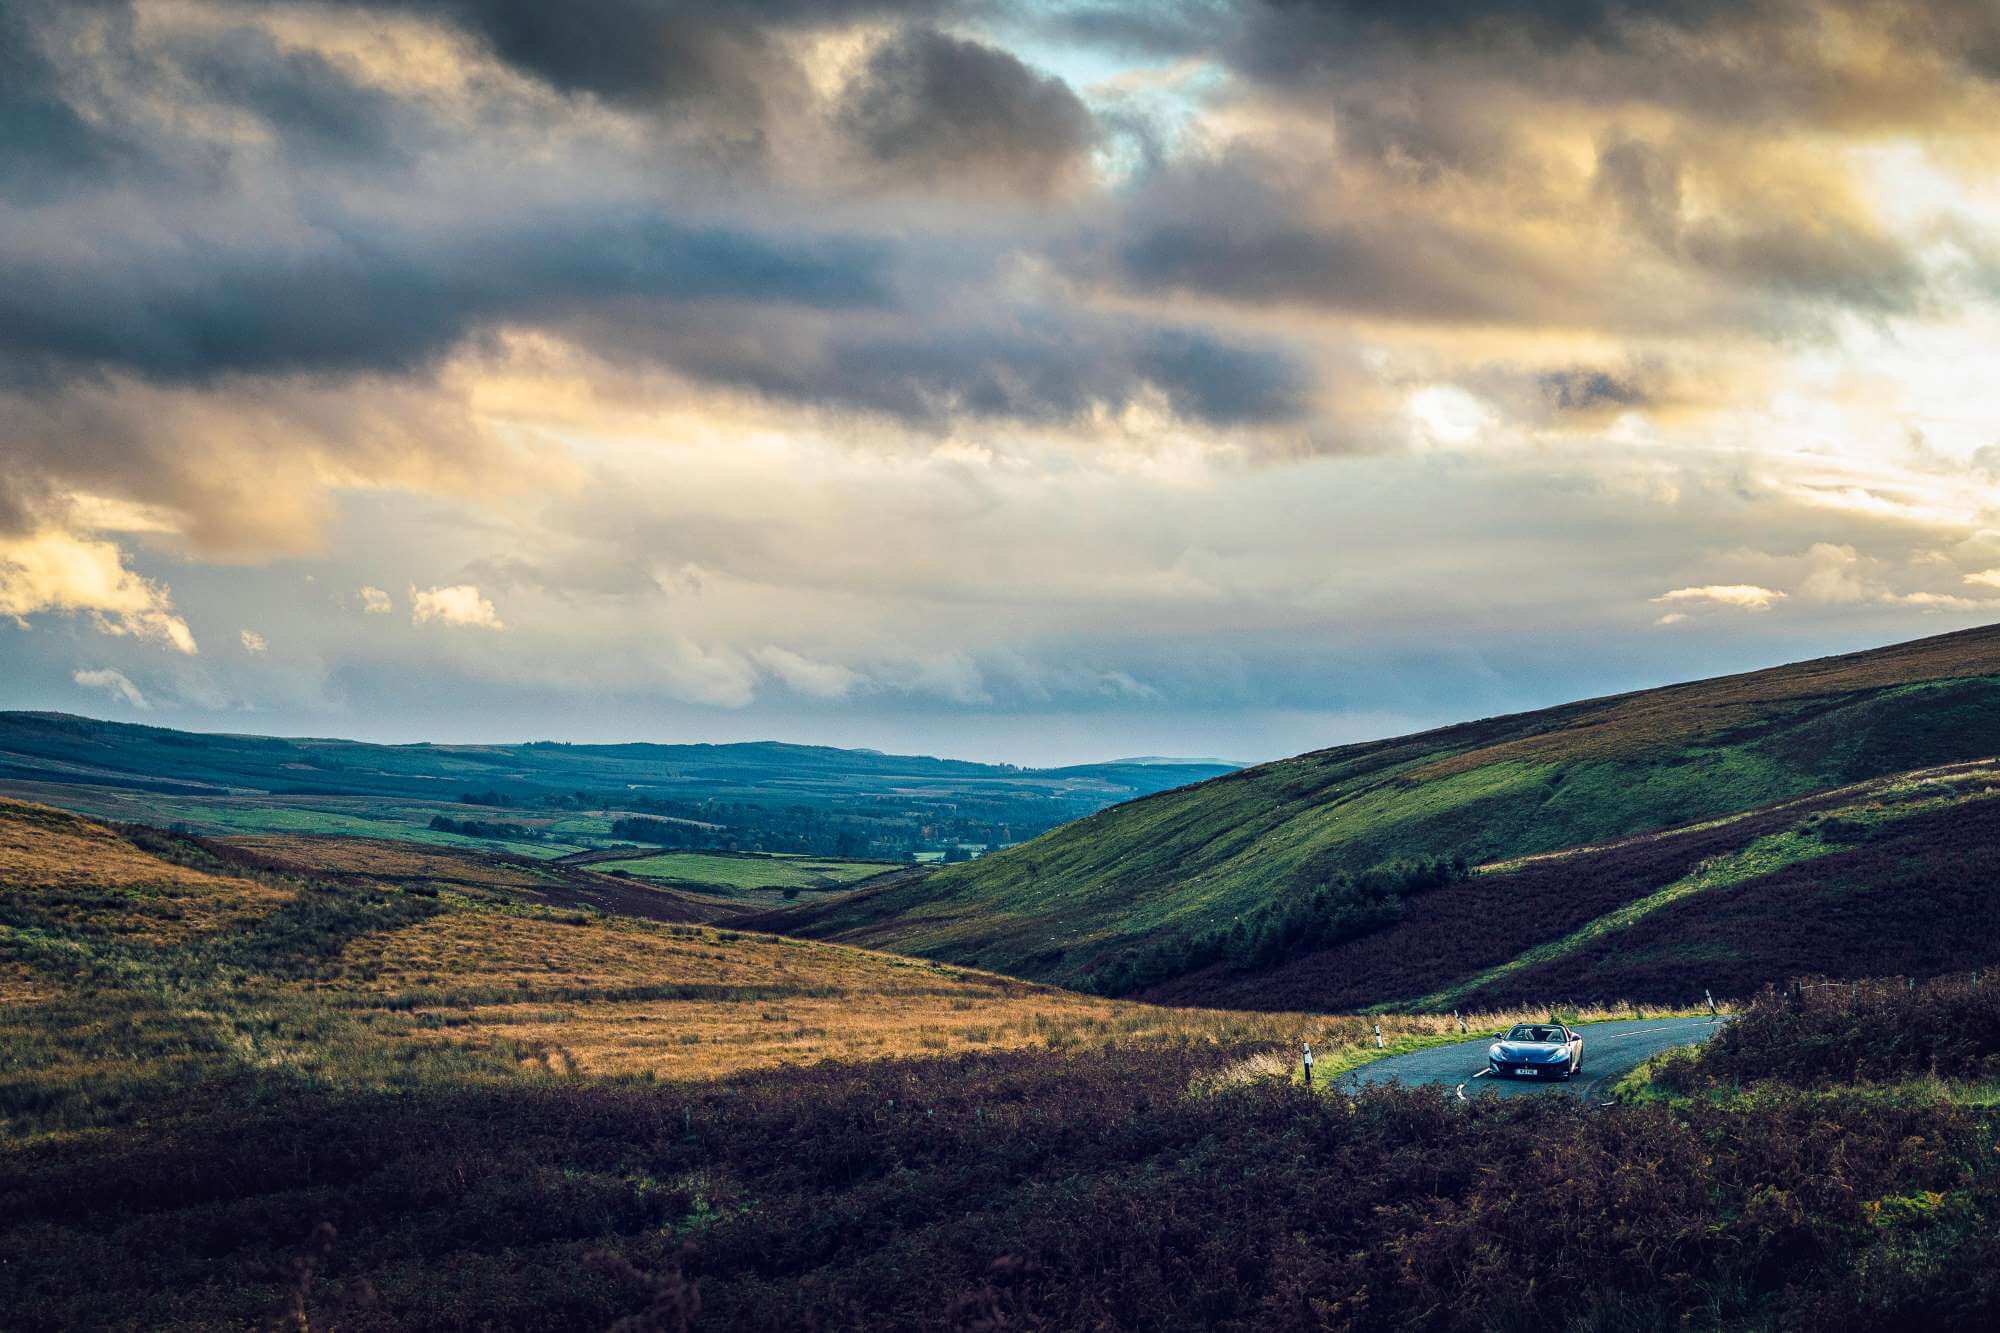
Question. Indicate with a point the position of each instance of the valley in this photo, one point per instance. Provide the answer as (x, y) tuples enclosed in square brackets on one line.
[(313, 1054)]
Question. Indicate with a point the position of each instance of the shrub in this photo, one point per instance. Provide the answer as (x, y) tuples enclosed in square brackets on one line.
[(1817, 1034), (1342, 908)]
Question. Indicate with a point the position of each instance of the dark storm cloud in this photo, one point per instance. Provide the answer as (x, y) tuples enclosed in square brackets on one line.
[(1044, 368), (1240, 230), (1791, 61), (381, 300), (303, 97), (1223, 382), (1577, 389), (930, 105), (46, 144), (648, 51)]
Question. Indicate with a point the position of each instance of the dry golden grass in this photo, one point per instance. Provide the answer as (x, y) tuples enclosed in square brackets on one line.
[(483, 948), (589, 994), (19, 986), (78, 869), (620, 997), (320, 853)]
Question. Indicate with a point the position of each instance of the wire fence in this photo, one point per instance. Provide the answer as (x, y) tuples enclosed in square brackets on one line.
[(1836, 994)]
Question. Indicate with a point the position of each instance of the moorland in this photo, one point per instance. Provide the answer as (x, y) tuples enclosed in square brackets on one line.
[(258, 1074), (237, 1094)]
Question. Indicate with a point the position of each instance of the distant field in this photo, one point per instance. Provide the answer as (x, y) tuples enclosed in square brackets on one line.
[(752, 872), (759, 797), (349, 816)]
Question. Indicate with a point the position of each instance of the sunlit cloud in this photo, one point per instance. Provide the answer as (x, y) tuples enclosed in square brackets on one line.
[(113, 683), (51, 571), (460, 604), (1745, 596)]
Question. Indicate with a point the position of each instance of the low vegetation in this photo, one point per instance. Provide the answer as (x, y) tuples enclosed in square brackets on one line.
[(233, 1094), (1884, 875), (376, 959), (1822, 1034)]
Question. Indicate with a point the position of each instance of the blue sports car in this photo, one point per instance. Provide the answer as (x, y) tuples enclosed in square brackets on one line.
[(1537, 1050)]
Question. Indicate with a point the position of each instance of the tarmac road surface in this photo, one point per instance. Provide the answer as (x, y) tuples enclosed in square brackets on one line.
[(1610, 1051)]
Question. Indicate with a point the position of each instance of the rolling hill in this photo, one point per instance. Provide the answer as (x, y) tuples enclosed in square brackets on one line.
[(1145, 893), (552, 799)]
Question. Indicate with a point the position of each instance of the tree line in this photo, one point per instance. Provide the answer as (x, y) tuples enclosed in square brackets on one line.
[(1341, 908)]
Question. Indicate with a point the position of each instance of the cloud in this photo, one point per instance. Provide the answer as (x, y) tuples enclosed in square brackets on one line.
[(1024, 366), (459, 604), (47, 144), (252, 641), (311, 102), (816, 679), (1746, 596), (932, 108), (361, 295), (51, 570), (1985, 578), (375, 602), (113, 683)]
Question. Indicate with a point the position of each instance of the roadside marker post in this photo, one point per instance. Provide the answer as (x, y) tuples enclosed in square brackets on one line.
[(1461, 1017), (1378, 1036)]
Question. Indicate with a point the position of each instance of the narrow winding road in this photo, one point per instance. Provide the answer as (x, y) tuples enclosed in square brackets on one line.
[(1610, 1051)]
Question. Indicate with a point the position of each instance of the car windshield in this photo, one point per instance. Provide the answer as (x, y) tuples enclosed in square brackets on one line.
[(1532, 1032)]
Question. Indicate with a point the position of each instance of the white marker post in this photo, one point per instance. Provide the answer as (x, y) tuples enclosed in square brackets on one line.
[(1378, 1036)]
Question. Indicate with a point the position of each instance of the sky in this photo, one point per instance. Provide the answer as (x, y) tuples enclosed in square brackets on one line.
[(1037, 382)]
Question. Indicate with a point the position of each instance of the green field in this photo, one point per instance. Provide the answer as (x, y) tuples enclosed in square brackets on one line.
[(347, 816), (1167, 866), (751, 872)]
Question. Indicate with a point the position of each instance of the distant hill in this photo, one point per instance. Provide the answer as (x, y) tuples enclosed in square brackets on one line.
[(1244, 874), (763, 795), (65, 747)]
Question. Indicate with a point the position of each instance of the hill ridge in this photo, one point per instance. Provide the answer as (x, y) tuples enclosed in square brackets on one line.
[(1134, 882)]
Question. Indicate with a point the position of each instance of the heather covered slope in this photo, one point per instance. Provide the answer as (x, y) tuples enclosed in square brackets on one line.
[(1076, 901), (1889, 877)]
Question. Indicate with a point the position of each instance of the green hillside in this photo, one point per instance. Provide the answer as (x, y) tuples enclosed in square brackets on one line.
[(1891, 877), (1154, 874)]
